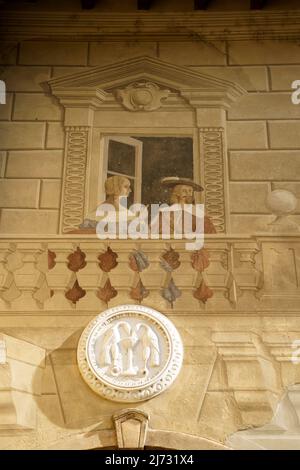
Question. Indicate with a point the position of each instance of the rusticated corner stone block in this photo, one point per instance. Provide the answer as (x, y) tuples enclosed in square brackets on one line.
[(21, 368), (251, 372)]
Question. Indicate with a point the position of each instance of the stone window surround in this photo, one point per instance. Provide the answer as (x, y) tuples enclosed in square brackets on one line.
[(95, 107)]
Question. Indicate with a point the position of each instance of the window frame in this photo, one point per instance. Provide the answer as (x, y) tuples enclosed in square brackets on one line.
[(97, 163), (138, 145)]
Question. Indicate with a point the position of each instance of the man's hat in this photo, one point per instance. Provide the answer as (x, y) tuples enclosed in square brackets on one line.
[(171, 181)]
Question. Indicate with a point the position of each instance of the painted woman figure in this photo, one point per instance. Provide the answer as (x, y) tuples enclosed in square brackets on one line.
[(116, 187)]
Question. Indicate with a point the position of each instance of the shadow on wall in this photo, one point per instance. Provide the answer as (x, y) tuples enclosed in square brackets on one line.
[(66, 401)]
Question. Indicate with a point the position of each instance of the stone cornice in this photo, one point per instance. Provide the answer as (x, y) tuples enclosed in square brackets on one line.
[(20, 25)]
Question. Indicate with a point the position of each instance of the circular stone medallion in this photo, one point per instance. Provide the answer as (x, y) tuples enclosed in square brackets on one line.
[(130, 353)]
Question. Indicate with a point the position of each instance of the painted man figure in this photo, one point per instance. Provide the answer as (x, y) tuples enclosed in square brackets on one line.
[(182, 192)]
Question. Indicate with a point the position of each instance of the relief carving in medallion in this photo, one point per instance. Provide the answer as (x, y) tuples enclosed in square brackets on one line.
[(130, 353), (119, 349)]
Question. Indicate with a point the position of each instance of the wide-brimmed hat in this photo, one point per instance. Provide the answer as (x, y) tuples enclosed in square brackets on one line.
[(171, 181)]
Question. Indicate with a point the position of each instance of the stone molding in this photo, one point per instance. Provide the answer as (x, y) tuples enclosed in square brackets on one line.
[(95, 88), (242, 25), (212, 149)]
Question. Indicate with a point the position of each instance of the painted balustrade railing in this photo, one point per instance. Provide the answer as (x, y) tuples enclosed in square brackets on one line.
[(245, 274)]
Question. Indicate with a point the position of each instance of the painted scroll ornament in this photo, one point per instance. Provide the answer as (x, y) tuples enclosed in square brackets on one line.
[(130, 353), (142, 96)]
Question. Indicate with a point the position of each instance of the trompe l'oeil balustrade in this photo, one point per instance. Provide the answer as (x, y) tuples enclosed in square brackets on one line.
[(250, 274)]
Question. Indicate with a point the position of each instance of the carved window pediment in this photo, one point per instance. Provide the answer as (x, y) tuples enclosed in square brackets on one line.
[(102, 85)]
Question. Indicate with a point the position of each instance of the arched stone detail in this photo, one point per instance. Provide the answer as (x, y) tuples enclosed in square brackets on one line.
[(155, 439)]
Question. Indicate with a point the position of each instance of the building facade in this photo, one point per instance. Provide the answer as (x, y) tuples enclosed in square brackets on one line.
[(205, 94)]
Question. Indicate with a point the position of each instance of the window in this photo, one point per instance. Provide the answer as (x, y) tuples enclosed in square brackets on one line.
[(144, 160)]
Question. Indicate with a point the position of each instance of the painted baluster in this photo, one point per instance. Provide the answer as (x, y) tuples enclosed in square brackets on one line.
[(27, 277), (60, 278), (90, 278)]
